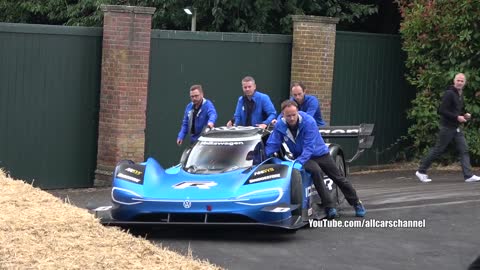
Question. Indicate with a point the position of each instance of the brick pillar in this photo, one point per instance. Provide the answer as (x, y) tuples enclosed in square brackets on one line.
[(313, 55), (124, 84)]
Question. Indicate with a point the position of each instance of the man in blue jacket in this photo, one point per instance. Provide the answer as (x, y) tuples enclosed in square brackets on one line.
[(253, 108), (306, 103), (198, 114), (300, 132)]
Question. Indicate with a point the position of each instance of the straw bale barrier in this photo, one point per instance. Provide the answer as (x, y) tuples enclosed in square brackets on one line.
[(39, 231)]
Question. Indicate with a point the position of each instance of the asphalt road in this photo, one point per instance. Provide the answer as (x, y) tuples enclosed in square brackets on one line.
[(450, 239)]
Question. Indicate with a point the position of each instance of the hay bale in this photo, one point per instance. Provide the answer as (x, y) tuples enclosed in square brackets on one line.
[(39, 231)]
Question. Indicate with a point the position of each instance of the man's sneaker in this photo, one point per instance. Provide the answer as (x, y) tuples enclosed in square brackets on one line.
[(359, 209), (422, 177), (474, 178), (331, 212)]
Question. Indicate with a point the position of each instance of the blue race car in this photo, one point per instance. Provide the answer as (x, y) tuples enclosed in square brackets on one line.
[(225, 178)]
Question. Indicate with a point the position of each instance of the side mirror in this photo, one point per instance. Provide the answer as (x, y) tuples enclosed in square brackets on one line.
[(250, 155)]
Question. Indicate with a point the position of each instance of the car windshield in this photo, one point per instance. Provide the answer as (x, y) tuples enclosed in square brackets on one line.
[(209, 157)]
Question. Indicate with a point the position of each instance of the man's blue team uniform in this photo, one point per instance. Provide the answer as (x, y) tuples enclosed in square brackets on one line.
[(311, 106), (263, 111), (204, 115), (309, 149), (307, 144)]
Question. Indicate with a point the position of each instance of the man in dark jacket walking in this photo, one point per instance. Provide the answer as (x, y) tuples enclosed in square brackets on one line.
[(451, 116)]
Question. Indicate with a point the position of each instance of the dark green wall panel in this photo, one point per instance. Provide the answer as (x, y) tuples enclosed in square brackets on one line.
[(217, 61), (49, 91), (369, 87), (50, 84)]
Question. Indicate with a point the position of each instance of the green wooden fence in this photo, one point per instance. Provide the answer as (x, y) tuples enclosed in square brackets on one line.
[(49, 90), (50, 84), (369, 87)]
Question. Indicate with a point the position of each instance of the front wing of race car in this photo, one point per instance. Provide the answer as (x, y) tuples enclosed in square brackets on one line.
[(291, 223), (145, 194)]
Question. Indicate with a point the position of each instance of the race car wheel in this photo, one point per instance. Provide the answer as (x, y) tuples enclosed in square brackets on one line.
[(296, 192), (338, 195)]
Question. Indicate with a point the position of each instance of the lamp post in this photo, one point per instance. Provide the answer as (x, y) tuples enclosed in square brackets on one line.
[(188, 10)]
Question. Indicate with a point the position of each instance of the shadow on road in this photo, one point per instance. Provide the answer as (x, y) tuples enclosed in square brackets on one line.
[(214, 233)]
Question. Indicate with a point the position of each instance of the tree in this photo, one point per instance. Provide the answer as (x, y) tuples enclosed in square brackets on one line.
[(262, 16), (441, 38)]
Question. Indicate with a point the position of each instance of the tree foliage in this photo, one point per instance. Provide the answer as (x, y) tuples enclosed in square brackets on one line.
[(262, 16), (441, 38)]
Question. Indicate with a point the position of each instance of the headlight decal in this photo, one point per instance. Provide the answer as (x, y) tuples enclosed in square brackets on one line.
[(125, 196), (262, 197)]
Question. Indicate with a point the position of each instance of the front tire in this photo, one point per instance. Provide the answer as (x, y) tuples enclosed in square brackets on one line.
[(296, 192)]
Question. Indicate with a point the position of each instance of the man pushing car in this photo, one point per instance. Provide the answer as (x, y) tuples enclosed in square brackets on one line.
[(198, 114), (300, 132)]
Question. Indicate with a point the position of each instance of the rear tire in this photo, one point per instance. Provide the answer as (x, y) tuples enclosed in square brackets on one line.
[(296, 192)]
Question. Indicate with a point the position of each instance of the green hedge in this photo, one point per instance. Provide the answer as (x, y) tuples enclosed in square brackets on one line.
[(441, 38)]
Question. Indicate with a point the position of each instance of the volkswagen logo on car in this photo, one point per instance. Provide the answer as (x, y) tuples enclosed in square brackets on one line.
[(187, 204)]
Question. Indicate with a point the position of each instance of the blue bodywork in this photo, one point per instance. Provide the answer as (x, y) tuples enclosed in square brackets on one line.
[(257, 194)]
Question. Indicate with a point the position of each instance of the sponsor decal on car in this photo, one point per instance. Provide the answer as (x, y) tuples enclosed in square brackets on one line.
[(346, 131), (128, 177), (264, 178), (220, 143), (268, 173), (328, 182), (280, 209), (233, 128), (131, 172), (310, 190), (196, 184), (268, 170)]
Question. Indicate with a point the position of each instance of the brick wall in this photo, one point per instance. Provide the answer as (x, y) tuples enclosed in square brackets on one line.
[(124, 84), (313, 55)]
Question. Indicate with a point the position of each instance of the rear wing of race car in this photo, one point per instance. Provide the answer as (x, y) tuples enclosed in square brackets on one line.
[(363, 132)]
